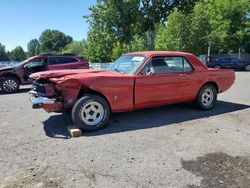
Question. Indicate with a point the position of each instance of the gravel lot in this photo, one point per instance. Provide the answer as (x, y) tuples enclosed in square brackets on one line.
[(173, 146)]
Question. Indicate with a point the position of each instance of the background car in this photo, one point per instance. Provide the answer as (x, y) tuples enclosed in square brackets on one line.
[(229, 62), (12, 77)]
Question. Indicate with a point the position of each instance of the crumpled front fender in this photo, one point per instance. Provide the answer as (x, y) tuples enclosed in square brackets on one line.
[(69, 89)]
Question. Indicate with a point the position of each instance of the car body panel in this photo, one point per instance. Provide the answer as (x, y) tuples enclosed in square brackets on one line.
[(127, 92)]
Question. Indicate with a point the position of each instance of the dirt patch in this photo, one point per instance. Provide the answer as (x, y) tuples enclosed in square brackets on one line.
[(33, 177), (220, 170)]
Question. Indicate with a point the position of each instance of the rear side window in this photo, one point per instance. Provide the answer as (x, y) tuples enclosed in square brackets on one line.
[(70, 60), (56, 60), (61, 60)]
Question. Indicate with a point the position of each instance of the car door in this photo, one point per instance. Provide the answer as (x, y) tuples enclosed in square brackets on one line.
[(161, 81), (34, 65), (226, 62), (235, 63)]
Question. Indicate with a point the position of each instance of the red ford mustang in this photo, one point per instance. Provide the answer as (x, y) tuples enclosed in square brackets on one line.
[(134, 81)]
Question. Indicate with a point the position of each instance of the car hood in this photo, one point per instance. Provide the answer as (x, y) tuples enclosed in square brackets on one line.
[(6, 68), (61, 73)]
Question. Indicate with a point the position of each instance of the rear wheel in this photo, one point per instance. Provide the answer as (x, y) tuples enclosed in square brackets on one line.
[(90, 112), (206, 97), (9, 85), (217, 66), (247, 68)]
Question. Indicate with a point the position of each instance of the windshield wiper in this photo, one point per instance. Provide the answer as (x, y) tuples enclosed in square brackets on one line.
[(118, 70)]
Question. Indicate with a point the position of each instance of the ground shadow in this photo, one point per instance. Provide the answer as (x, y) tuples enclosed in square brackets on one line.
[(142, 119), (57, 126)]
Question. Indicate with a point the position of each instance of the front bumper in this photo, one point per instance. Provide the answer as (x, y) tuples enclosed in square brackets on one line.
[(48, 104), (41, 100)]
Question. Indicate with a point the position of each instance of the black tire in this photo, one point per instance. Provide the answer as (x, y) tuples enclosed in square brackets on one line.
[(86, 103), (202, 100), (217, 66), (247, 67), (9, 85)]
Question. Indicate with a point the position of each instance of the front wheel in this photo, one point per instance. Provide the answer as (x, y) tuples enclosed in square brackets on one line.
[(91, 112), (206, 97), (9, 85)]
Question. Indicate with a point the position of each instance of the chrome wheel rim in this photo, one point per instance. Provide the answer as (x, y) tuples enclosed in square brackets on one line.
[(92, 113), (9, 85), (247, 67), (217, 66), (207, 97)]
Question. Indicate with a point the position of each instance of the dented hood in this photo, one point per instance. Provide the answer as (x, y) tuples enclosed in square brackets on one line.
[(61, 73), (6, 68)]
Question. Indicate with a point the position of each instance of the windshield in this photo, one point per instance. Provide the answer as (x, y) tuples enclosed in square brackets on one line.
[(17, 64), (127, 64)]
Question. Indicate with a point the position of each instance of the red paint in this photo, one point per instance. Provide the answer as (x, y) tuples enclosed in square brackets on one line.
[(126, 92)]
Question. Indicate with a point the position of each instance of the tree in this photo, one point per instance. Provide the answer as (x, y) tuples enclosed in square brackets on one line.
[(100, 45), (53, 40), (115, 25), (17, 54), (222, 24), (176, 35), (119, 18), (3, 53), (33, 47), (154, 12), (228, 25), (76, 47)]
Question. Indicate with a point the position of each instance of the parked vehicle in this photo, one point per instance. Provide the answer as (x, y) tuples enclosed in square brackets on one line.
[(134, 81), (12, 77), (229, 62)]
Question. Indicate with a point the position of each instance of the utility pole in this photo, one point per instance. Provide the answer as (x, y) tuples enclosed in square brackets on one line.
[(239, 56), (208, 53)]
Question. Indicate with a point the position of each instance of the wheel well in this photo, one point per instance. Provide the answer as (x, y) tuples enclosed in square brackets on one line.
[(10, 75), (212, 83), (85, 91)]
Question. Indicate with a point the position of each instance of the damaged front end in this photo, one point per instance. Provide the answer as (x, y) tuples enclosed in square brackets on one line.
[(44, 94)]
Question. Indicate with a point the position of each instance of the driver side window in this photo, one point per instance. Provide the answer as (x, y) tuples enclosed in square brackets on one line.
[(35, 63), (166, 64), (33, 66)]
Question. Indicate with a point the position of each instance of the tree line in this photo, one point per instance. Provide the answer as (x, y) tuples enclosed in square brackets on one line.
[(117, 27), (50, 41)]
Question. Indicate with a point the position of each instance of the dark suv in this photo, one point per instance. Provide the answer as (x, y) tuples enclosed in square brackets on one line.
[(12, 77), (229, 62)]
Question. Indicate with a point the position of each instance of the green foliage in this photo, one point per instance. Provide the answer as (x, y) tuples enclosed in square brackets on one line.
[(17, 54), (100, 45), (219, 23), (53, 40), (228, 24), (76, 47), (115, 25), (33, 47), (175, 35), (3, 53)]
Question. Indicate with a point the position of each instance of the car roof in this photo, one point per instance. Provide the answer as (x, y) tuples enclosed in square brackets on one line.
[(56, 55), (151, 53)]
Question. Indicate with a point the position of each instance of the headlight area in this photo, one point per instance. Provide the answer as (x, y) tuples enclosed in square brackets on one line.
[(44, 94)]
